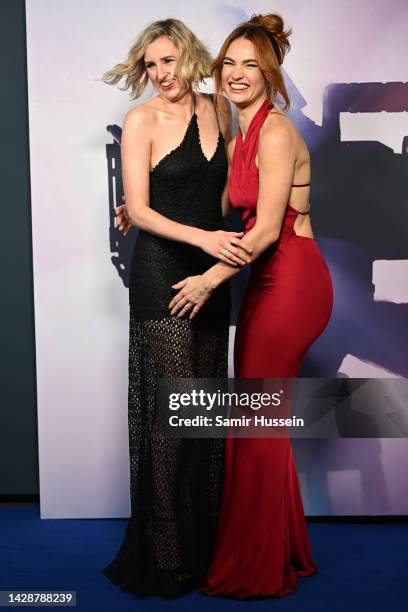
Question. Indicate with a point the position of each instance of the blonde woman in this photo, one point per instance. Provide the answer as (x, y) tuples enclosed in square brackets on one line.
[(174, 167)]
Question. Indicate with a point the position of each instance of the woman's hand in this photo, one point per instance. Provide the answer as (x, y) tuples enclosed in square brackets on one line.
[(226, 246), (123, 222), (194, 291)]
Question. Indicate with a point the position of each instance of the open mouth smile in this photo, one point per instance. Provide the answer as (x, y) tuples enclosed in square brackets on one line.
[(167, 84), (238, 86)]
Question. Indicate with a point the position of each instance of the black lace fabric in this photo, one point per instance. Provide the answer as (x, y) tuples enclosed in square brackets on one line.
[(175, 483)]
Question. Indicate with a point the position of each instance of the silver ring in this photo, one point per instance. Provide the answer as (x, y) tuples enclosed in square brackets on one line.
[(225, 252)]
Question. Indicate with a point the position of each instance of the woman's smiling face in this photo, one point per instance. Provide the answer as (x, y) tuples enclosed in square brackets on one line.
[(241, 78), (161, 58)]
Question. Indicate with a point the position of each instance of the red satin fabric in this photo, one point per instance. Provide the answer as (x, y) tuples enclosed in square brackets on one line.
[(262, 542)]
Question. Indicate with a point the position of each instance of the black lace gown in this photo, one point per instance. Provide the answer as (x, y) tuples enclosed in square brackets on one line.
[(175, 484)]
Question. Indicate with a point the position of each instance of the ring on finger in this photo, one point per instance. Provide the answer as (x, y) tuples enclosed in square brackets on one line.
[(225, 252)]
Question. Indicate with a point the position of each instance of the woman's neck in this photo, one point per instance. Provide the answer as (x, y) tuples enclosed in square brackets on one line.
[(184, 105), (246, 114)]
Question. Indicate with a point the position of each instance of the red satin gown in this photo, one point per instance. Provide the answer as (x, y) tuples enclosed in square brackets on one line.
[(262, 542)]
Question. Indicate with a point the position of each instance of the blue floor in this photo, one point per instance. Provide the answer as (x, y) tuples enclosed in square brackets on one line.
[(360, 566)]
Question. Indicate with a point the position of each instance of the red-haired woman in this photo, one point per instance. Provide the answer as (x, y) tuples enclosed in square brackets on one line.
[(262, 542)]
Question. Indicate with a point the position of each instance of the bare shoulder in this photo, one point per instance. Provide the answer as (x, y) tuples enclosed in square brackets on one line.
[(278, 130), (204, 101), (213, 99), (224, 119), (141, 118)]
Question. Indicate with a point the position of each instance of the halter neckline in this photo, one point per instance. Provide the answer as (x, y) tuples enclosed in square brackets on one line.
[(256, 124), (266, 104), (193, 123)]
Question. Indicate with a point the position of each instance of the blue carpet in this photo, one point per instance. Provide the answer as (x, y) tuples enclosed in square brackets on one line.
[(360, 566)]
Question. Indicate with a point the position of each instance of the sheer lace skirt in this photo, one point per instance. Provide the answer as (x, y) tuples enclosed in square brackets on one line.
[(175, 483)]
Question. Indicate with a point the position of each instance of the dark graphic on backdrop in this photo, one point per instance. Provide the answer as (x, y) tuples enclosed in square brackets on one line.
[(359, 215)]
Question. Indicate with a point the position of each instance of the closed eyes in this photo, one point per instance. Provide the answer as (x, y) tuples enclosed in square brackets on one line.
[(249, 64), (165, 61)]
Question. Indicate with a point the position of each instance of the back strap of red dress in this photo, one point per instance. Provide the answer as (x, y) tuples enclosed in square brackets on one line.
[(298, 211)]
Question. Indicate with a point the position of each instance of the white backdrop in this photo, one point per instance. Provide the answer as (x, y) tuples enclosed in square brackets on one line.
[(81, 306)]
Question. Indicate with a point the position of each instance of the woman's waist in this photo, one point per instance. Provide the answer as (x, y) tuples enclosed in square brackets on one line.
[(247, 211), (159, 255), (288, 254), (209, 222), (204, 212)]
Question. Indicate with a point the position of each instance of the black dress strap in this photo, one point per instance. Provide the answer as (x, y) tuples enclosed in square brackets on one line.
[(215, 111), (194, 103)]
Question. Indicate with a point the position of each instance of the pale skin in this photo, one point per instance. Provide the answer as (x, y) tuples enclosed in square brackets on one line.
[(282, 159), (153, 129)]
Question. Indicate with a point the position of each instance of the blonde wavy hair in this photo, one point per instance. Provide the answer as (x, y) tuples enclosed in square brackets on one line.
[(194, 64)]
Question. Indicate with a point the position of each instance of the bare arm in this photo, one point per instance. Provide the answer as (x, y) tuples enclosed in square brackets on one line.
[(135, 155), (276, 159)]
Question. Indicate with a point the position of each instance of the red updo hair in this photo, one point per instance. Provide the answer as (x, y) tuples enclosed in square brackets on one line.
[(267, 34)]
